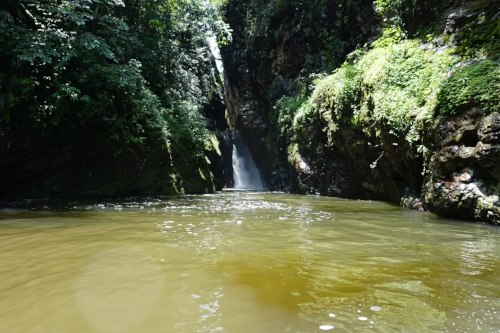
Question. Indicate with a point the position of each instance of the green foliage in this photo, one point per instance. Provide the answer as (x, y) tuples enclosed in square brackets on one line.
[(399, 85), (388, 8), (480, 38), (287, 108), (140, 69), (321, 27), (394, 85), (406, 86), (408, 17), (392, 11), (397, 16), (395, 8), (339, 91), (474, 85), (391, 34), (331, 102)]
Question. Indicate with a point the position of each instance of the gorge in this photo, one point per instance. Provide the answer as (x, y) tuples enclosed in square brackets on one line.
[(385, 100), (249, 166), (392, 122)]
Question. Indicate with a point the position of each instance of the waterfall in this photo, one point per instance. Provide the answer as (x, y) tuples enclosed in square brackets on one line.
[(245, 173)]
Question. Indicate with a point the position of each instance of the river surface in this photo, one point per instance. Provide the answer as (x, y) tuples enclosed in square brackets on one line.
[(245, 262)]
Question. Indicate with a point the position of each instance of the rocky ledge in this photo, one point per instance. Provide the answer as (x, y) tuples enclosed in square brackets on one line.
[(463, 179)]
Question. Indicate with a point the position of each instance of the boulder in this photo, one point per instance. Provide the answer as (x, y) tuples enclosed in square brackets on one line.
[(463, 178)]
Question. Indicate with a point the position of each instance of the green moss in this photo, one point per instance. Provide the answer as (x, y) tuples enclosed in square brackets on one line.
[(404, 89), (339, 91), (212, 143), (395, 84), (293, 154), (480, 38), (475, 85), (287, 108)]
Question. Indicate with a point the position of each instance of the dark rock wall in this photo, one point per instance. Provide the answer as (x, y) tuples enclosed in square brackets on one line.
[(464, 175), (79, 161), (357, 163), (221, 158), (80, 164), (274, 50), (273, 46)]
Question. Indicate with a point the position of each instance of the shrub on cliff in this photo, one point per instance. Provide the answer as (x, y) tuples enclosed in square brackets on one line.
[(135, 73), (473, 85), (400, 82), (394, 84)]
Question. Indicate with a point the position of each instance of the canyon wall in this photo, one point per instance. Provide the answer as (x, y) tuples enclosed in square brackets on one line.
[(387, 100)]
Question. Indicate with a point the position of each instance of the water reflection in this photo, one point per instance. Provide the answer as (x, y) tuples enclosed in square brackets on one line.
[(245, 262), (112, 278), (478, 256)]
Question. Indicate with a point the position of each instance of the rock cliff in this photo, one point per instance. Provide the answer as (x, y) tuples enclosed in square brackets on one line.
[(361, 99)]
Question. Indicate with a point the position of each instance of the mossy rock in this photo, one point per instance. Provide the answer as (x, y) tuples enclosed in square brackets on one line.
[(474, 85)]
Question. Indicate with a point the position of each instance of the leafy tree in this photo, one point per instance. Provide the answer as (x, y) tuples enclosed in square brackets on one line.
[(139, 71)]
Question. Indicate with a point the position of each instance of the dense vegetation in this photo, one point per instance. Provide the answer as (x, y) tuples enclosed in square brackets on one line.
[(137, 75), (383, 99), (401, 83), (375, 99)]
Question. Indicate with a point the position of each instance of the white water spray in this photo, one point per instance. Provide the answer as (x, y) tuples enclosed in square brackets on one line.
[(245, 173)]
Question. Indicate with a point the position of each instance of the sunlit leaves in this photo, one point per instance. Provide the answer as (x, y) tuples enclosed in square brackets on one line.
[(142, 67), (474, 85)]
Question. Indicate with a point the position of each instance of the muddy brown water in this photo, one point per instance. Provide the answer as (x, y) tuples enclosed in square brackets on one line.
[(245, 262)]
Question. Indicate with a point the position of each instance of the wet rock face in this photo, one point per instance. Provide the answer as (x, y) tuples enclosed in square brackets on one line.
[(220, 159), (272, 53), (361, 163), (272, 46), (463, 179), (458, 16)]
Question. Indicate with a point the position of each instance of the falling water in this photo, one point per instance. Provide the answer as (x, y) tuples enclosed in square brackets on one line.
[(245, 172)]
